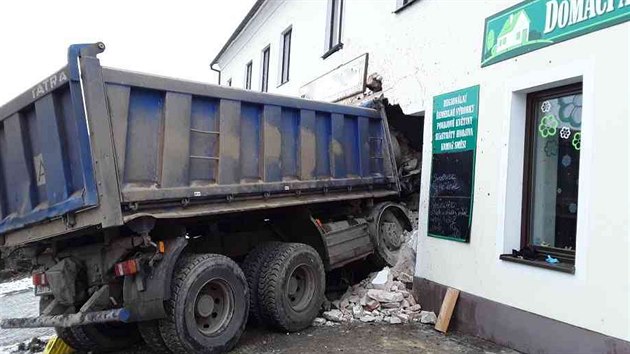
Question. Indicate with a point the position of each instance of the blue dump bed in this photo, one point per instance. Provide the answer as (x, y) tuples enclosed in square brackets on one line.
[(96, 147)]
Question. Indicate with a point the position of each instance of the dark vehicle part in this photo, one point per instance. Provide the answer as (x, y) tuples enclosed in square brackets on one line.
[(150, 333), (209, 305), (253, 265), (107, 332), (149, 303), (389, 221), (346, 241), (64, 333), (105, 337), (69, 320), (292, 287)]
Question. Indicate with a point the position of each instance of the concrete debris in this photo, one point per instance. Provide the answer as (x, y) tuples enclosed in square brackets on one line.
[(357, 311), (406, 263), (367, 318), (381, 280), (372, 304), (391, 305), (404, 318), (318, 321), (415, 308), (405, 277), (333, 315), (395, 320), (383, 296), (428, 317)]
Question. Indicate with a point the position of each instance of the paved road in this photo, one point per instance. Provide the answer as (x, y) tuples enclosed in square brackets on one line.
[(360, 338), (348, 338)]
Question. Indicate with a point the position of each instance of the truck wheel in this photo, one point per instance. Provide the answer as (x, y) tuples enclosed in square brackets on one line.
[(252, 267), (292, 287), (208, 308), (105, 337), (390, 222), (62, 332), (150, 333)]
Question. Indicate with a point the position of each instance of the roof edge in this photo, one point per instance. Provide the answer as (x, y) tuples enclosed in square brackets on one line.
[(238, 30)]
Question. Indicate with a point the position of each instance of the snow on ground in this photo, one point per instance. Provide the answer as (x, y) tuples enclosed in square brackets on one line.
[(18, 300), (8, 349), (15, 286)]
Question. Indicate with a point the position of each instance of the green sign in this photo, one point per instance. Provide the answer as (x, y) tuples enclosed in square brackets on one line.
[(455, 120), (455, 116), (534, 24)]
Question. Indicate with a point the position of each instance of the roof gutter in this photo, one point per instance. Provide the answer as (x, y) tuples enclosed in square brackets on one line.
[(218, 71), (238, 31)]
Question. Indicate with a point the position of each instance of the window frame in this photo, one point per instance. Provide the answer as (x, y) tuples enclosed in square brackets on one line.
[(285, 53), (528, 168), (334, 25), (248, 75), (264, 68)]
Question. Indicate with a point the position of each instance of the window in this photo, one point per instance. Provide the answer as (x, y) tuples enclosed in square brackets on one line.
[(248, 76), (551, 174), (286, 56), (333, 27), (264, 78), (229, 82)]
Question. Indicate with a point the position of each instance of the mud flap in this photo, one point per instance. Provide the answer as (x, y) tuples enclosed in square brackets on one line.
[(62, 278), (146, 302)]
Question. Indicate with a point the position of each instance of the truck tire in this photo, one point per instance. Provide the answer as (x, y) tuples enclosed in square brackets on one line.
[(107, 337), (209, 304), (62, 332), (292, 287), (390, 222), (98, 337), (150, 333), (252, 267)]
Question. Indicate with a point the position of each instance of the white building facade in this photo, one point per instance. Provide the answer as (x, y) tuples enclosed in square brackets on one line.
[(550, 154)]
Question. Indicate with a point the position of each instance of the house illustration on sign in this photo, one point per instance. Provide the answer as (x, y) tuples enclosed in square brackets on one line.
[(515, 32)]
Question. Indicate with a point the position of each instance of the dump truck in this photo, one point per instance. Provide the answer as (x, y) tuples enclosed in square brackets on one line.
[(175, 212)]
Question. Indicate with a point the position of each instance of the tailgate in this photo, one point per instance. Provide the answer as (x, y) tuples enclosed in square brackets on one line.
[(45, 158)]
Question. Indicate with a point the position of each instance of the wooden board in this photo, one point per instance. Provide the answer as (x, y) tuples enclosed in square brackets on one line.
[(446, 311)]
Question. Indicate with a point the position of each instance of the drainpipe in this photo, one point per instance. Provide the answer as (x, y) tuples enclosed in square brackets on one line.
[(218, 71)]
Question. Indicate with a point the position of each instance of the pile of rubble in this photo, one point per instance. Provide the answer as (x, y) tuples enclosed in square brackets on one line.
[(383, 297)]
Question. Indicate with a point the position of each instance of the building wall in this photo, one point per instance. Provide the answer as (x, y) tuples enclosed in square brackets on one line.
[(596, 297), (433, 47), (410, 49)]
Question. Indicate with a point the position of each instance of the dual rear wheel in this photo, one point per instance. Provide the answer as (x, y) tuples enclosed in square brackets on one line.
[(280, 284), (287, 283)]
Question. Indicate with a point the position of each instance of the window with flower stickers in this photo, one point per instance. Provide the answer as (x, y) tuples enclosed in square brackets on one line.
[(552, 170)]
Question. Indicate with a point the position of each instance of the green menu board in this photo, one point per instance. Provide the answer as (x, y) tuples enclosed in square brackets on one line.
[(455, 116)]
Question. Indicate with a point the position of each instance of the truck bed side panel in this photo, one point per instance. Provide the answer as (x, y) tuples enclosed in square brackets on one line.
[(184, 140)]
